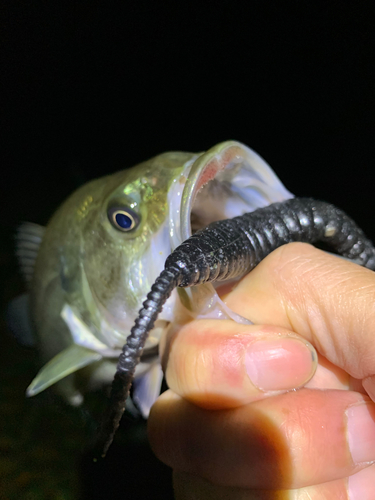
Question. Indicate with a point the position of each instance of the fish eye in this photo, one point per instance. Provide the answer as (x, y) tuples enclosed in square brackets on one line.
[(123, 218)]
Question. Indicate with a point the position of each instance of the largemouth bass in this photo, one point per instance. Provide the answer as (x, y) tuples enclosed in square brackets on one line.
[(92, 266)]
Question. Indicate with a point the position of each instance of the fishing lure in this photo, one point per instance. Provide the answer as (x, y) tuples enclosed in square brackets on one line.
[(225, 250)]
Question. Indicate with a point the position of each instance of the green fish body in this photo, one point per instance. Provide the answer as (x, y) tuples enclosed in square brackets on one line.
[(106, 244)]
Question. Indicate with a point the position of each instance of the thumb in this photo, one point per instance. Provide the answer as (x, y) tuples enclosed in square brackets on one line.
[(329, 301)]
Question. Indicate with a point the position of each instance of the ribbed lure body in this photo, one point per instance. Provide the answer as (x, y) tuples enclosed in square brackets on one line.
[(230, 249)]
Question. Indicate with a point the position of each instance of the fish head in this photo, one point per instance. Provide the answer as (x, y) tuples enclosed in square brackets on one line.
[(106, 245)]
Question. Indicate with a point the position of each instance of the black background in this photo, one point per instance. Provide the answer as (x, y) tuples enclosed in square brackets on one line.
[(93, 87)]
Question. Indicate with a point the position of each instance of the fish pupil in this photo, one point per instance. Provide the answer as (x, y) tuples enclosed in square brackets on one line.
[(123, 220)]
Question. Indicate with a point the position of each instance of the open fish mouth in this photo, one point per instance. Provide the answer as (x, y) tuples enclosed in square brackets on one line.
[(228, 180)]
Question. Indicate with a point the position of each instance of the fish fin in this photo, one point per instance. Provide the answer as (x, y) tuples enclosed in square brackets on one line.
[(146, 388), (28, 239), (81, 333), (68, 361), (18, 320)]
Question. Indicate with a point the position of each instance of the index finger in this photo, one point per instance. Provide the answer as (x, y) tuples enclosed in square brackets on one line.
[(327, 300)]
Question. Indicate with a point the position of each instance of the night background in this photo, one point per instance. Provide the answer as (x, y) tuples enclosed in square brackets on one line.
[(95, 87)]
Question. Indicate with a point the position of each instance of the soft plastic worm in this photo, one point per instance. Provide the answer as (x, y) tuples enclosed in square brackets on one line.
[(228, 249)]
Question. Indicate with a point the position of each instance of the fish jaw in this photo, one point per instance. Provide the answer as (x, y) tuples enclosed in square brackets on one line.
[(247, 182)]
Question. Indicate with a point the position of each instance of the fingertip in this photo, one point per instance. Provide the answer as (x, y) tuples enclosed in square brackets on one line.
[(222, 365)]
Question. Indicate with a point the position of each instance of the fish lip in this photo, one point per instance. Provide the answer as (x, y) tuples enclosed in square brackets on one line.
[(226, 160)]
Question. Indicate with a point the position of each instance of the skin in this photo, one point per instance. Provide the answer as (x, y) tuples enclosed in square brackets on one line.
[(226, 438)]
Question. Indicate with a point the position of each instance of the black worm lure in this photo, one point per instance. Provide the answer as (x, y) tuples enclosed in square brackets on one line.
[(230, 249)]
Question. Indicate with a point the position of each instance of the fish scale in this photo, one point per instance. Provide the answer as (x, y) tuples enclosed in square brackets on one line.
[(230, 249)]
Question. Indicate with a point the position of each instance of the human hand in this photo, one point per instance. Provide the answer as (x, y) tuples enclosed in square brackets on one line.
[(261, 441)]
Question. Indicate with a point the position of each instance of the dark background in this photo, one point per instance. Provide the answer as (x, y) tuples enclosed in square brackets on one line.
[(95, 87)]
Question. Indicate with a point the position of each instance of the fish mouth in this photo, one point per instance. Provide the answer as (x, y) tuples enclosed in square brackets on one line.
[(228, 180)]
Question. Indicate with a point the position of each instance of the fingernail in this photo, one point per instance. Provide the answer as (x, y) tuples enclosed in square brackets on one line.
[(280, 364), (361, 486), (361, 432)]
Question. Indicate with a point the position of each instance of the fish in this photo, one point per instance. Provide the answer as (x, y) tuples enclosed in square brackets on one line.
[(90, 269)]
